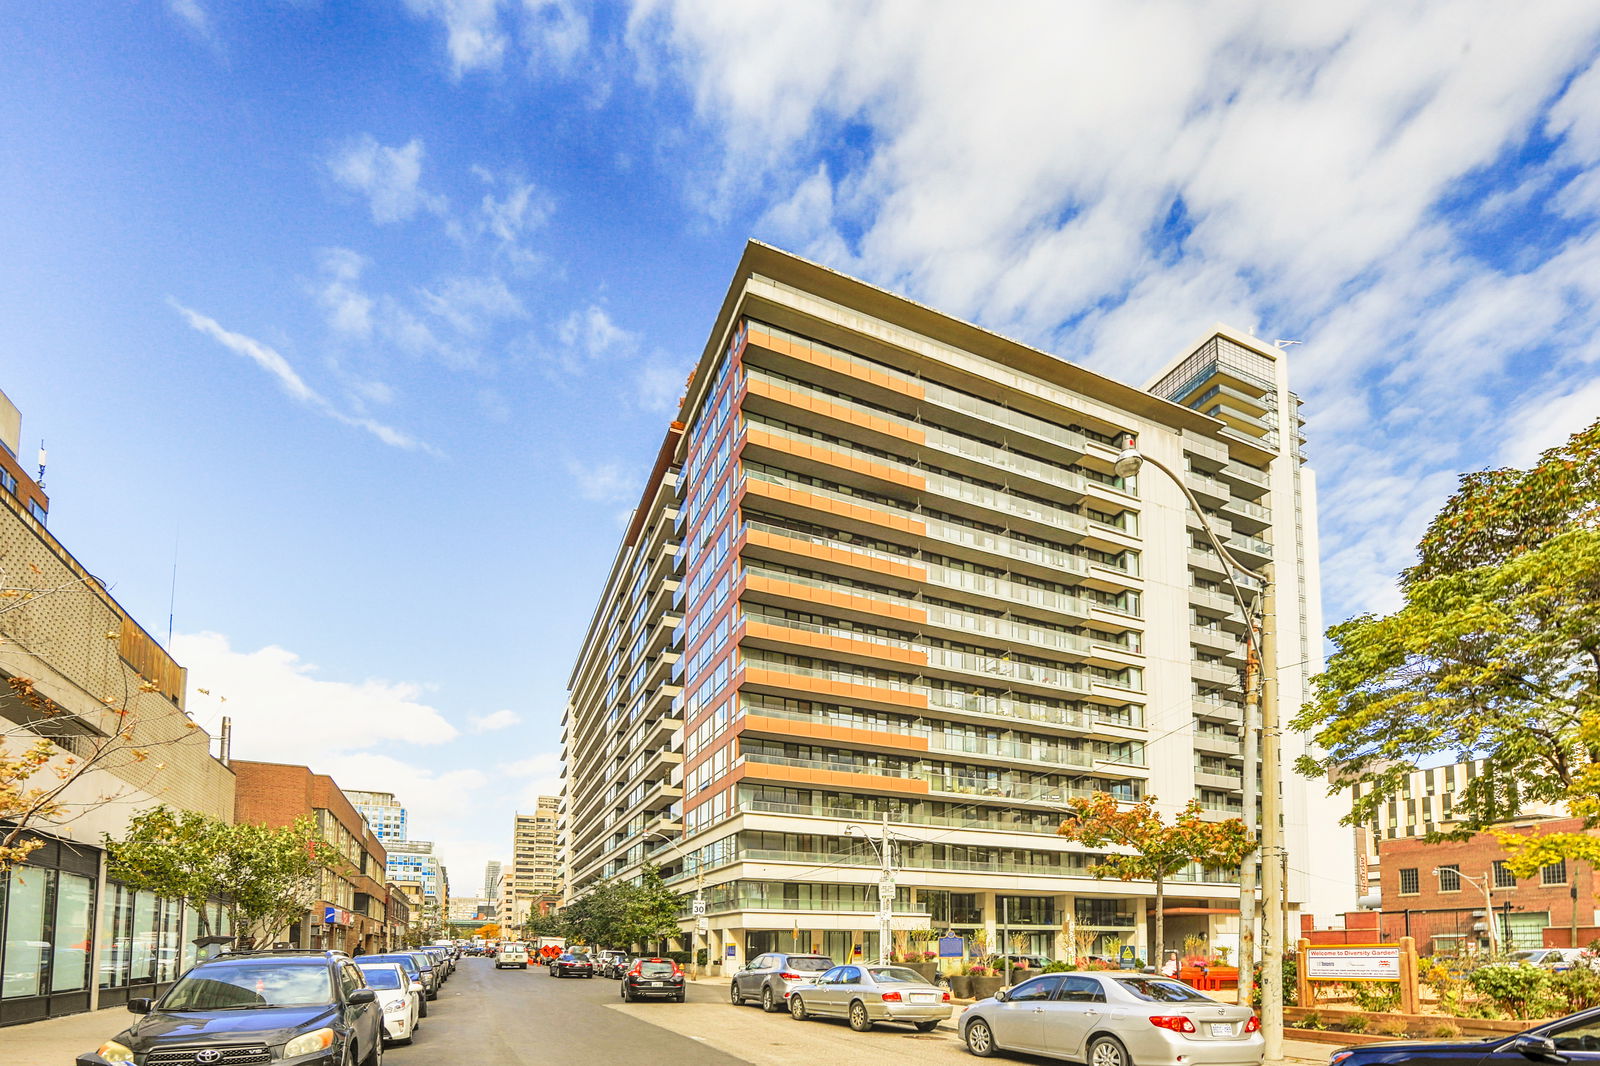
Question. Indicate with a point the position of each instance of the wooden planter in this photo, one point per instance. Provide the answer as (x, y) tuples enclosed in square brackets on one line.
[(1417, 1025)]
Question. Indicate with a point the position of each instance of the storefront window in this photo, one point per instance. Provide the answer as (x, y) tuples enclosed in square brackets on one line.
[(69, 969), (116, 923), (143, 965), (191, 925), (26, 949), (168, 946)]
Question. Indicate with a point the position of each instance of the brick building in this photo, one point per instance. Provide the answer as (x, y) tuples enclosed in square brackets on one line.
[(1436, 893), (352, 913)]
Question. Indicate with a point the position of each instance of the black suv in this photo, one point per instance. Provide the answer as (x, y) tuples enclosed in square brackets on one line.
[(289, 1008)]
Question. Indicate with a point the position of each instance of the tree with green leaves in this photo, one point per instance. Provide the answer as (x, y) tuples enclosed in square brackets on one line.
[(649, 910), (1157, 850), (1494, 654), (265, 877), (615, 914)]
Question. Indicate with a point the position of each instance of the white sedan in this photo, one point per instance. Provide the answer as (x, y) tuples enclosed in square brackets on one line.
[(401, 1003)]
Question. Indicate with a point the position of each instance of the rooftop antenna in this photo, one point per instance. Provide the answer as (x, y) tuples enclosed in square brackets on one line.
[(42, 458), (1281, 345), (172, 597)]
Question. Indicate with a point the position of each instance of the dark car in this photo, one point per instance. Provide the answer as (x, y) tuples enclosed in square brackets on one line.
[(1573, 1038), (308, 1008), (653, 978), (432, 976), (408, 962), (768, 978), (572, 963)]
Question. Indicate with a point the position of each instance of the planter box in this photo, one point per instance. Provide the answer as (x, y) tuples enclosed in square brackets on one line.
[(984, 987), (928, 971), (960, 986), (1420, 1025)]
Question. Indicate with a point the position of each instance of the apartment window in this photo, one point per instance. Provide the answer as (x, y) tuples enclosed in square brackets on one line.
[(37, 511), (1450, 878), (1554, 874), (1503, 877), (8, 481), (1409, 884)]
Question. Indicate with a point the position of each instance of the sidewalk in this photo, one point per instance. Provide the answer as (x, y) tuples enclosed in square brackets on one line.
[(59, 1041)]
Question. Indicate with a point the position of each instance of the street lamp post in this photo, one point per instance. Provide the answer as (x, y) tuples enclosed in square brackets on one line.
[(1486, 884), (701, 925), (886, 886), (1128, 463)]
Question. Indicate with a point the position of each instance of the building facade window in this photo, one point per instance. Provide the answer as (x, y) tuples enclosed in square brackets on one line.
[(1553, 874), (1450, 878), (1410, 885), (1503, 877)]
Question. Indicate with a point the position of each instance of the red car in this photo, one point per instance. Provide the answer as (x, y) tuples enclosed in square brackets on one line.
[(572, 964), (653, 977)]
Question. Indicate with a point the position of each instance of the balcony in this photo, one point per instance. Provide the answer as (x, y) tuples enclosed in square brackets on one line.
[(1214, 602), (1217, 743), (1219, 777), (1246, 480), (1207, 488), (1247, 513), (1214, 674), (1216, 640)]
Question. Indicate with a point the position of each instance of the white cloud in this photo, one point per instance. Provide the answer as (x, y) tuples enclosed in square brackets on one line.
[(389, 178), (279, 704), (537, 775), (471, 304), (474, 38), (553, 34), (1548, 421), (589, 336), (270, 360), (1107, 179), (488, 723), (603, 482)]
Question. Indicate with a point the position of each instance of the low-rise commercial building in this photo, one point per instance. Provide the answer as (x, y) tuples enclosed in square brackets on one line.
[(352, 912)]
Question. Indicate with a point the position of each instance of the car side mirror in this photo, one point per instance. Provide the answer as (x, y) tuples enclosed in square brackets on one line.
[(363, 995), (1002, 995), (1537, 1047), (139, 1006)]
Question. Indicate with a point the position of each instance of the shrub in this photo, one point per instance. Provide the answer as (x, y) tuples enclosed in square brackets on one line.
[(1445, 1031), (1311, 1020), (1393, 1026), (1356, 1023), (702, 956), (1579, 987), (1523, 991), (1291, 986), (1056, 967), (1377, 997)]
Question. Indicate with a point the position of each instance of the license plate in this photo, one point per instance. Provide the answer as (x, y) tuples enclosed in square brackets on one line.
[(924, 998), (1221, 1028), (654, 984)]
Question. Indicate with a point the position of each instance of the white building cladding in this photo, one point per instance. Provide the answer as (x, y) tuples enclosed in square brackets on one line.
[(883, 566)]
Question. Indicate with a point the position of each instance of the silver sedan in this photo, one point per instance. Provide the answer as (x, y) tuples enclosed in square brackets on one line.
[(868, 994), (1113, 1019)]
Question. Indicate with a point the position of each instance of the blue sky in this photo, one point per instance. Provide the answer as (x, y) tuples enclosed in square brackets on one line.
[(377, 310)]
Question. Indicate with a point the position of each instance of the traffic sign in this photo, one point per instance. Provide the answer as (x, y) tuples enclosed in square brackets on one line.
[(698, 907), (886, 888)]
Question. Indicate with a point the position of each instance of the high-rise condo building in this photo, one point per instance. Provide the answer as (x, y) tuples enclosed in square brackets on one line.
[(383, 813), (883, 567), (534, 869)]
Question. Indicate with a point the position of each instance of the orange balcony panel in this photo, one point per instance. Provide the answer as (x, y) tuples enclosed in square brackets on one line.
[(841, 690), (832, 362), (904, 612), (886, 426), (842, 556), (826, 642), (839, 733), (833, 778), (811, 501), (842, 460)]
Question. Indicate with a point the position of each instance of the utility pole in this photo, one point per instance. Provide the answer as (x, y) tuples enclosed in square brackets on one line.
[(885, 896), (1272, 850), (1247, 868)]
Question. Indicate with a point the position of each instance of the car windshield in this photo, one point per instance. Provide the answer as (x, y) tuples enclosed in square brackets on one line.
[(241, 985), (580, 958), (381, 976), (810, 962), (895, 975), (1159, 990), (655, 969)]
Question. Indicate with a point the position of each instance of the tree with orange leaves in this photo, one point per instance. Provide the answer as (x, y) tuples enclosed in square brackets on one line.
[(1157, 850)]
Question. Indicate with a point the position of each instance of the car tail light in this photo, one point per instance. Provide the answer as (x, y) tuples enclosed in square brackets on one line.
[(636, 971), (891, 997), (677, 971), (1253, 1025), (1178, 1023), (789, 976), (947, 997)]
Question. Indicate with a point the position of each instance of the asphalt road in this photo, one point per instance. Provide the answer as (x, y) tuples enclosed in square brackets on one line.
[(489, 1017)]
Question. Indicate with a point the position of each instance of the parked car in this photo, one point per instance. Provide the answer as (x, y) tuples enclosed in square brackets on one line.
[(768, 978), (1026, 962), (413, 969), (432, 976), (611, 964), (512, 955), (306, 1006), (1575, 1038), (869, 994), (1558, 959), (572, 963), (1114, 1018), (401, 1004), (653, 978)]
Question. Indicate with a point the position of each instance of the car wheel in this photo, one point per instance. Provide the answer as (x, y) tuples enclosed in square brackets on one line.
[(679, 997), (1107, 1051), (768, 1001), (859, 1021), (797, 1009), (626, 994), (733, 994), (926, 1027), (980, 1041)]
